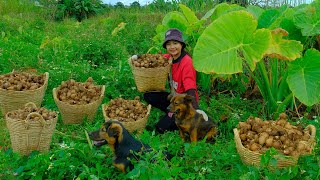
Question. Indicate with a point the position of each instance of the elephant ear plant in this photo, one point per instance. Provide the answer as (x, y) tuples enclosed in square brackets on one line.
[(192, 27), (256, 42)]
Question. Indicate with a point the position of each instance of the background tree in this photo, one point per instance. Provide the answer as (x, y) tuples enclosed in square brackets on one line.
[(79, 9), (119, 5), (135, 4)]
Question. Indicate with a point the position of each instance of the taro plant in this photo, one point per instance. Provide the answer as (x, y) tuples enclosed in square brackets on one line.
[(192, 27), (186, 21), (253, 41)]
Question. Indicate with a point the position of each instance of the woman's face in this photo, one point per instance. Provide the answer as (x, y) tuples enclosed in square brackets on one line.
[(174, 48)]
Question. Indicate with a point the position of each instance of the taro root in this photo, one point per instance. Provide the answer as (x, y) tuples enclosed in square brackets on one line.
[(150, 61), (126, 110), (21, 81), (77, 93), (258, 135)]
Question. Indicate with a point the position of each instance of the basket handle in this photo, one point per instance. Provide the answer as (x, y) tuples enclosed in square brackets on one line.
[(54, 93), (103, 88), (46, 78), (149, 109), (312, 130), (29, 118), (237, 138), (30, 104), (130, 61)]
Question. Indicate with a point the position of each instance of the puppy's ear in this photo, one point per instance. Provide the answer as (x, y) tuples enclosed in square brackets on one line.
[(115, 130), (188, 98), (169, 97)]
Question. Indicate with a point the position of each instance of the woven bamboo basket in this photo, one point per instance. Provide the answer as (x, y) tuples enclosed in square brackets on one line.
[(133, 126), (28, 134), (150, 79), (11, 100), (75, 114), (249, 157)]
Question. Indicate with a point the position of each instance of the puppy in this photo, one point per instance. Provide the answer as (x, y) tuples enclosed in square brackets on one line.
[(121, 142), (192, 125)]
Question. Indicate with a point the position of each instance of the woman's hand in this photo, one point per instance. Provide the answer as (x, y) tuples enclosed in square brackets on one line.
[(134, 57)]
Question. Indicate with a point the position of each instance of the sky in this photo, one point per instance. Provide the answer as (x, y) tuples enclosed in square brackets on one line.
[(126, 2)]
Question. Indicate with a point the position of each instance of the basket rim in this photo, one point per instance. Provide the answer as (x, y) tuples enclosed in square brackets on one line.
[(162, 67), (106, 118), (311, 141), (25, 121), (239, 143), (33, 90), (54, 93)]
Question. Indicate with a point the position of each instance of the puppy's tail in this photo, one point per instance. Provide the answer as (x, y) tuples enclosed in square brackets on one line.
[(205, 116)]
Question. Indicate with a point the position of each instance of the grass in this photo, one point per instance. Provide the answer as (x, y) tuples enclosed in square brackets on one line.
[(68, 49)]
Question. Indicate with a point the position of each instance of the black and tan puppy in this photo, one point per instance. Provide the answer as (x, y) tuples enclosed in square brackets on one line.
[(192, 125), (121, 142)]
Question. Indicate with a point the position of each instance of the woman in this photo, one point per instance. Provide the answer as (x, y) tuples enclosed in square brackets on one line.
[(182, 79)]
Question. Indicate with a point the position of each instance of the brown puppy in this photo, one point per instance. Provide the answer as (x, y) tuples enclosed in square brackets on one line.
[(121, 142), (192, 125)]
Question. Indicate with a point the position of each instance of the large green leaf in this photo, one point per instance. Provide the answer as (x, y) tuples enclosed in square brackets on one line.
[(288, 24), (171, 20), (304, 77), (158, 38), (189, 14), (175, 20), (208, 14), (229, 41), (224, 8), (283, 49), (308, 19), (272, 18), (255, 10)]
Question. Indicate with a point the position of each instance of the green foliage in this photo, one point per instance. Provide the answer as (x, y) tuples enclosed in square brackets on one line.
[(225, 48), (234, 41), (308, 19), (272, 17), (22, 7), (135, 4), (303, 78), (70, 49), (119, 5), (223, 8), (79, 9)]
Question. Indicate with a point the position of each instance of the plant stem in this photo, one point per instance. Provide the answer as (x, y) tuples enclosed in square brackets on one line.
[(274, 77), (283, 86), (88, 139), (267, 88), (283, 105)]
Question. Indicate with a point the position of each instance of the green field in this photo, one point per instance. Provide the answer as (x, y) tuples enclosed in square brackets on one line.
[(33, 39)]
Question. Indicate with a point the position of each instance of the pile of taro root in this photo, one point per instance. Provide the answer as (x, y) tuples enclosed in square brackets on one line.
[(126, 110), (21, 81), (150, 61), (23, 113), (259, 136), (77, 93)]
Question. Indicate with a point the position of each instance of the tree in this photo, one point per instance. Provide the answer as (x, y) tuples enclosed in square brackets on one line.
[(119, 5), (79, 9), (135, 4)]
